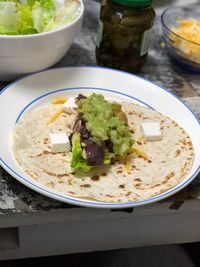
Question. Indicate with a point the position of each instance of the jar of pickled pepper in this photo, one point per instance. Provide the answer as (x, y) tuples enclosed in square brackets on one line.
[(124, 33)]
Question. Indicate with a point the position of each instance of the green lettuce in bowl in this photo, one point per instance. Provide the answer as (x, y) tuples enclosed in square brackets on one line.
[(32, 17)]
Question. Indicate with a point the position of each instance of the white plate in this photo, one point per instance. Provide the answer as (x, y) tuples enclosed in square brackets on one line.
[(39, 88)]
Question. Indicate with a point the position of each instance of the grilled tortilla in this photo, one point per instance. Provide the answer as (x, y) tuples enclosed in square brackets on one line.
[(169, 160)]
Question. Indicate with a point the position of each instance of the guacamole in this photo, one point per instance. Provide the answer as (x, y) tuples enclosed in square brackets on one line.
[(106, 122)]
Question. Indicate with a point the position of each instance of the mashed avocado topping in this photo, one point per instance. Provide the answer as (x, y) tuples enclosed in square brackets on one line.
[(106, 122)]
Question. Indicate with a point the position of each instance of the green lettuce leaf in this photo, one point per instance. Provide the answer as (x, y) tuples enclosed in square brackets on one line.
[(47, 9), (26, 20), (108, 157), (78, 162), (37, 14), (9, 18), (66, 14), (42, 13)]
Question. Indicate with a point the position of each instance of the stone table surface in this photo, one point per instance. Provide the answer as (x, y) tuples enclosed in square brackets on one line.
[(16, 198)]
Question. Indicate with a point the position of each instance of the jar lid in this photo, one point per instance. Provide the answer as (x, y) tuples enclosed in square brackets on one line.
[(134, 3)]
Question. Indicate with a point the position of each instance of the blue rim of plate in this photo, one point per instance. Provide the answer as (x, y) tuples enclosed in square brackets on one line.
[(79, 201)]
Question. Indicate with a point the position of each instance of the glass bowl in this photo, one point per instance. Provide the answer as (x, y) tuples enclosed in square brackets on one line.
[(184, 52)]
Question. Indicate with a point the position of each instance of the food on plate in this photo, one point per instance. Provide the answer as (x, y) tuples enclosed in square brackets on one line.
[(32, 16), (187, 38), (102, 149), (59, 142), (100, 133), (151, 131)]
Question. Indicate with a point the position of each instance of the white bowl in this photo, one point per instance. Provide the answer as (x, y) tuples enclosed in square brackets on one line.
[(23, 54)]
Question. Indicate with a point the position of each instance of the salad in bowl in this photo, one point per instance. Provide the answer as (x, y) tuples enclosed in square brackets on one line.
[(32, 17)]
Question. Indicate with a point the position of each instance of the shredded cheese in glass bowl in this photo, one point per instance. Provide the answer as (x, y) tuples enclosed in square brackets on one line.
[(181, 30)]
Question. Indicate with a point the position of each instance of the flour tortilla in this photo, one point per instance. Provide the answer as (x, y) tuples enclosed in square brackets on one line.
[(169, 159)]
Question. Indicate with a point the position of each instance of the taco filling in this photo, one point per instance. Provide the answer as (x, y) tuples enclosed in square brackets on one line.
[(100, 133)]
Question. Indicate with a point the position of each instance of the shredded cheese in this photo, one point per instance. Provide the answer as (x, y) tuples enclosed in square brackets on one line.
[(59, 100), (55, 116), (132, 152), (135, 151), (189, 29), (128, 164)]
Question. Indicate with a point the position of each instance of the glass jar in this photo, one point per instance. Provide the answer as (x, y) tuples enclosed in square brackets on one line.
[(124, 33)]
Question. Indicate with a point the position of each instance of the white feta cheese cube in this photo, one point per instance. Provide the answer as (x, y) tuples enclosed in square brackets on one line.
[(59, 142), (70, 105), (151, 131)]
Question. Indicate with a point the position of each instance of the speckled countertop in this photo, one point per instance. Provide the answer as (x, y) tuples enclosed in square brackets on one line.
[(16, 198)]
